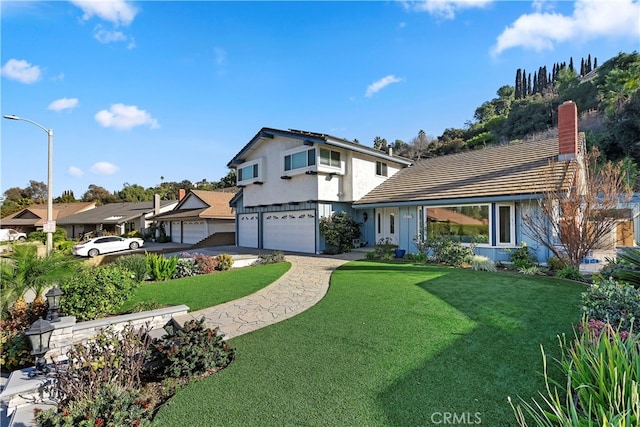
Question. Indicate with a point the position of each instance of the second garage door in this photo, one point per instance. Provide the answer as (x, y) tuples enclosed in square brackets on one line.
[(290, 231), (193, 231)]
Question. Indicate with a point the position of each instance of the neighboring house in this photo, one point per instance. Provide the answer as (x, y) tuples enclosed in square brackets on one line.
[(290, 178), (492, 185), (116, 218), (32, 218), (200, 215)]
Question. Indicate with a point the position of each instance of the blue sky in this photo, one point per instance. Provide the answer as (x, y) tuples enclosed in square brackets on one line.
[(136, 91)]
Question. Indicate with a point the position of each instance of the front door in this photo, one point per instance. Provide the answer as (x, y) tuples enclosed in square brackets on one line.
[(387, 225)]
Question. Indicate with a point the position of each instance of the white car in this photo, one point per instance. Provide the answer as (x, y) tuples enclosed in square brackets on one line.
[(104, 245), (11, 235)]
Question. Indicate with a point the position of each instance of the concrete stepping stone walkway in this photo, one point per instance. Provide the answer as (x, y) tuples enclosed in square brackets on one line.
[(300, 288)]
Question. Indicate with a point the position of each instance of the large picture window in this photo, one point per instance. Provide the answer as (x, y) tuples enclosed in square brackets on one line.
[(464, 224)]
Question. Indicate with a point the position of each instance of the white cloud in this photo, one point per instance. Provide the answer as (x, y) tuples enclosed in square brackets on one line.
[(21, 70), (63, 104), (104, 168), (107, 36), (118, 12), (590, 19), (444, 8), (125, 117), (377, 86), (74, 171)]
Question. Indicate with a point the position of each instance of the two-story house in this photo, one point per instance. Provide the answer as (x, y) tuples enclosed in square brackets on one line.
[(289, 179)]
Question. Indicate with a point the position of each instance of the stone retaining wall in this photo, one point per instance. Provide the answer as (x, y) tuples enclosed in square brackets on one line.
[(68, 332)]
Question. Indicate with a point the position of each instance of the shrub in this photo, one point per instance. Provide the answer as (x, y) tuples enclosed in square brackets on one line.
[(110, 357), (479, 262), (225, 262), (160, 267), (529, 271), (384, 250), (570, 273), (95, 291), (522, 257), (207, 264), (446, 251), (556, 264), (186, 267), (270, 258), (612, 302), (190, 351), (60, 235), (602, 371), (339, 231), (136, 264), (629, 267), (111, 405), (133, 233), (14, 346), (419, 257)]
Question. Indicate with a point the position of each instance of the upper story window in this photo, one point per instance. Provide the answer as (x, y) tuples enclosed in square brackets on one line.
[(300, 159), (250, 173), (381, 169), (330, 158)]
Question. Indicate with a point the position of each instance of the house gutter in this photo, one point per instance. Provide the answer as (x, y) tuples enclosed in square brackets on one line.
[(444, 202)]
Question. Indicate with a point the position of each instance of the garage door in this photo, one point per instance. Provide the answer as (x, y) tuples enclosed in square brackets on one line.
[(193, 231), (290, 231), (176, 233), (248, 230)]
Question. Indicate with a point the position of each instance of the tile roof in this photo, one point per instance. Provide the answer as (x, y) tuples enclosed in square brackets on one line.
[(217, 207), (113, 213), (36, 214), (520, 168)]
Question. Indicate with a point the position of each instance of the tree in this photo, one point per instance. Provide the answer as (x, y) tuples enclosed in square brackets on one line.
[(98, 194), (36, 191), (228, 180), (135, 193), (379, 144), (66, 197), (577, 216)]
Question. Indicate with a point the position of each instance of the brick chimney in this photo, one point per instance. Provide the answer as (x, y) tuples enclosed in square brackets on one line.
[(567, 131), (181, 193)]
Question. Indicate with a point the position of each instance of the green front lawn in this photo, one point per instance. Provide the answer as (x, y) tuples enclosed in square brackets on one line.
[(391, 344), (207, 290)]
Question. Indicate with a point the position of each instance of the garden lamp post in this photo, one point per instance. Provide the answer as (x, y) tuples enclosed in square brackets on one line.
[(39, 335), (50, 226), (53, 296)]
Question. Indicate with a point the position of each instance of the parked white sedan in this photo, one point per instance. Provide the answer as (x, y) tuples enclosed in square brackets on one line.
[(104, 245)]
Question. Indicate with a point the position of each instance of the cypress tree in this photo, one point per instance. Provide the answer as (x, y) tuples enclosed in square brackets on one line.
[(524, 83), (582, 71), (518, 93), (595, 62), (529, 86), (535, 82), (571, 63), (589, 64)]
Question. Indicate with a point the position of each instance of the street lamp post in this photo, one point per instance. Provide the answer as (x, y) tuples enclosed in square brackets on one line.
[(50, 225)]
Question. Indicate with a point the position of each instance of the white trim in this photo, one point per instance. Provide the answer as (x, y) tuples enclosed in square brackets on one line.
[(260, 162), (512, 225)]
